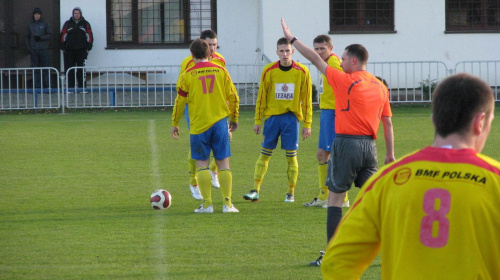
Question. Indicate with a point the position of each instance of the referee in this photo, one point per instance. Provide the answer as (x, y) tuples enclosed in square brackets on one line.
[(362, 101)]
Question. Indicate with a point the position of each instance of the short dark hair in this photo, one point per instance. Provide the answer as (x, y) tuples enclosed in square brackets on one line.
[(208, 34), (358, 51), (455, 101), (283, 41), (199, 49), (323, 39)]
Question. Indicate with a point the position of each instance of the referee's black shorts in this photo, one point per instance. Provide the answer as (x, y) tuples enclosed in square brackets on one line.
[(353, 160)]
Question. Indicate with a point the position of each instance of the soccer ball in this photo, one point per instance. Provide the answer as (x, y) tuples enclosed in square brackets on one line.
[(161, 199)]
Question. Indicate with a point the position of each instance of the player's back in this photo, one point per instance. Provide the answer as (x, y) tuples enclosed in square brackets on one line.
[(188, 62), (361, 100), (209, 89), (439, 216)]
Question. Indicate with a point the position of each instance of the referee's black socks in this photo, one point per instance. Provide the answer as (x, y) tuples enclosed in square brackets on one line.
[(333, 217)]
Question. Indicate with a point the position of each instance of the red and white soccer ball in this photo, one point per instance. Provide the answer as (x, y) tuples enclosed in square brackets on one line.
[(161, 199)]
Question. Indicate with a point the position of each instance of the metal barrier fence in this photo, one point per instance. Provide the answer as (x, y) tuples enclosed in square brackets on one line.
[(29, 88), (144, 86), (139, 86), (154, 86), (486, 70), (410, 81)]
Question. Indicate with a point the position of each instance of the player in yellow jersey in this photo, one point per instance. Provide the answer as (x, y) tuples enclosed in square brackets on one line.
[(324, 48), (188, 62), (434, 214), (210, 94), (284, 100)]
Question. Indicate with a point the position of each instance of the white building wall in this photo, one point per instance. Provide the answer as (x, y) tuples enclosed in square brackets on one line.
[(306, 20), (248, 29), (419, 36), (94, 12), (238, 31)]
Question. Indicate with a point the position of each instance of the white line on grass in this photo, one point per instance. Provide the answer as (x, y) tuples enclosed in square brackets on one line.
[(159, 221), (154, 154)]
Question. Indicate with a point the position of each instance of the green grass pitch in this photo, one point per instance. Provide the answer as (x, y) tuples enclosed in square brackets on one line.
[(74, 200)]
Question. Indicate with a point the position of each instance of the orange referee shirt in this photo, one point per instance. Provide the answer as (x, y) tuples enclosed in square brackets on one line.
[(361, 101)]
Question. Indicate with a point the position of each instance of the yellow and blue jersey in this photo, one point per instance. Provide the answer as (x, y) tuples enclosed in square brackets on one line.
[(434, 214), (285, 91), (188, 62), (326, 96), (210, 94)]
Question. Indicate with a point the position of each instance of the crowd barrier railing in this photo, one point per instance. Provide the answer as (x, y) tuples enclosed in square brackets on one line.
[(30, 88), (486, 70), (155, 86)]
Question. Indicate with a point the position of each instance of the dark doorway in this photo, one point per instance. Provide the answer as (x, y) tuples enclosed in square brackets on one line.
[(14, 18)]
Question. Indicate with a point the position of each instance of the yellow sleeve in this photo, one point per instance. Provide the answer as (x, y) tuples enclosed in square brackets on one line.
[(356, 242), (306, 98), (261, 102), (180, 100), (185, 64), (232, 99)]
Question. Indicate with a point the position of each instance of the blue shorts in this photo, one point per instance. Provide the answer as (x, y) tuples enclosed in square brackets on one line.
[(215, 139), (186, 113), (286, 126), (326, 129)]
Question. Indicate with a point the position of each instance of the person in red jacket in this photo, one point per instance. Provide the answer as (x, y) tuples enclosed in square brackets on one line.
[(76, 42)]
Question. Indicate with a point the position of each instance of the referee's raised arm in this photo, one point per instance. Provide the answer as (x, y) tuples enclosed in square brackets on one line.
[(307, 52)]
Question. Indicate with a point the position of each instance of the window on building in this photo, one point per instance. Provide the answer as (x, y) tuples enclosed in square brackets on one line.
[(158, 23), (472, 16), (361, 16)]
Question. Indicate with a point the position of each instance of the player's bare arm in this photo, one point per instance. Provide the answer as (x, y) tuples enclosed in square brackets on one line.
[(233, 126), (175, 132), (257, 128), (306, 132), (389, 139), (307, 52)]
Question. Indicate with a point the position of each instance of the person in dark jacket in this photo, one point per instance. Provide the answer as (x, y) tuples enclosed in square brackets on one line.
[(76, 42), (37, 38)]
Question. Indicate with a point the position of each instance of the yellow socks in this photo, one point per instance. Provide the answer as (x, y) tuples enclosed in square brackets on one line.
[(226, 186), (205, 185), (261, 167), (322, 172), (292, 170), (262, 164), (193, 181)]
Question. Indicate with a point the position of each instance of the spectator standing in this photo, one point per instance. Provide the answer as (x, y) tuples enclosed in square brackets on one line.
[(37, 38), (76, 42)]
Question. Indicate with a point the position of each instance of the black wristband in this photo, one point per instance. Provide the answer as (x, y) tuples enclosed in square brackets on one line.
[(293, 40)]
